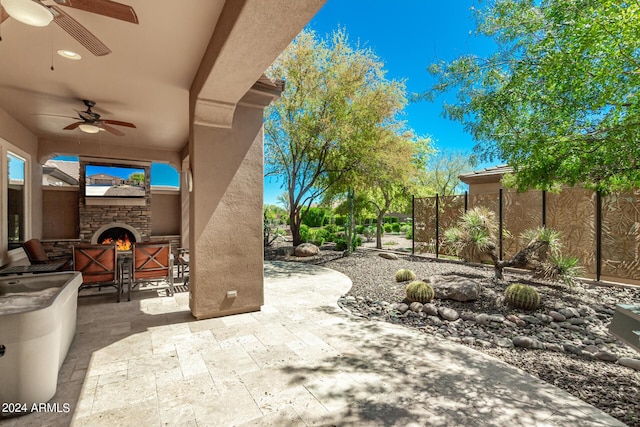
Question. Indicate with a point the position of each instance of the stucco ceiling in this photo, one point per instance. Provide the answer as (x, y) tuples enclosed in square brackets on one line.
[(145, 80)]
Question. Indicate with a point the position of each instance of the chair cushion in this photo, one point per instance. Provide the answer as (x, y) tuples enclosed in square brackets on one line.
[(35, 251)]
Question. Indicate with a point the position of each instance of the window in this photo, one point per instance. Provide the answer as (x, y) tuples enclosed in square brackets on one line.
[(16, 200)]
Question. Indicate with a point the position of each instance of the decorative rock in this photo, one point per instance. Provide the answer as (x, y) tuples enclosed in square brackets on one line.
[(554, 347), (527, 342), (350, 298), (530, 319), (630, 363), (306, 249), (558, 317), (498, 318), (482, 319), (515, 319), (388, 255), (577, 321), (585, 311), (448, 313), (456, 288), (509, 324), (483, 343), (416, 306), (430, 309), (434, 320), (503, 342), (545, 318), (606, 356), (572, 348), (402, 308), (569, 312), (468, 316), (592, 349)]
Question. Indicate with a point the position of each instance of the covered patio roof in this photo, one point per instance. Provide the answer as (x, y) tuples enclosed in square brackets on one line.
[(212, 50)]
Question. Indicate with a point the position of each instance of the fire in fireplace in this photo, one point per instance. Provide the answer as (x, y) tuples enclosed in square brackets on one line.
[(122, 237)]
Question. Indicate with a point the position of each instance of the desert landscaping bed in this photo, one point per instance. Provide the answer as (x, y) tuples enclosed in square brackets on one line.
[(576, 353)]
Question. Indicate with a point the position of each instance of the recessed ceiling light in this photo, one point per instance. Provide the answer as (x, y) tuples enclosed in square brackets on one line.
[(86, 128), (69, 54), (28, 12)]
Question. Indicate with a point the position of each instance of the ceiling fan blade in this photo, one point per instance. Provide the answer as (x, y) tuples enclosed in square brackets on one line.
[(111, 130), (3, 15), (107, 8), (119, 123), (72, 126), (78, 32)]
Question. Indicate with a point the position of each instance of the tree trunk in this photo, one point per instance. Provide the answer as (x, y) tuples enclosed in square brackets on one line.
[(379, 230), (294, 224)]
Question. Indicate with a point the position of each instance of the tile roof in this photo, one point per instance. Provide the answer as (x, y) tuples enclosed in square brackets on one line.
[(492, 173), (70, 168)]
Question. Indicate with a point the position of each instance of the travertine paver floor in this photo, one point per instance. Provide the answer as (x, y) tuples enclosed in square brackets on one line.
[(300, 361)]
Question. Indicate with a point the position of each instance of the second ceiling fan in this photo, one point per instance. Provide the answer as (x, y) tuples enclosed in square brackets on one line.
[(90, 122), (37, 13)]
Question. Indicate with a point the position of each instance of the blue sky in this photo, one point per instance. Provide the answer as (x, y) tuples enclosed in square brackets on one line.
[(407, 35)]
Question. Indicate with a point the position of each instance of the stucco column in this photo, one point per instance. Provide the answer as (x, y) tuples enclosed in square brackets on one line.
[(225, 209)]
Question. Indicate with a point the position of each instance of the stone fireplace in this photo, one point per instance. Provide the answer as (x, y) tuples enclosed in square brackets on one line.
[(123, 235), (97, 216)]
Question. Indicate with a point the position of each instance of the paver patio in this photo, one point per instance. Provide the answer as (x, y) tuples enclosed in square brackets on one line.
[(300, 361)]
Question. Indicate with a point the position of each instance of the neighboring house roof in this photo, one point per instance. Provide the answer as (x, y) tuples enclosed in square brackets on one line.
[(103, 175), (71, 170), (64, 171), (486, 175)]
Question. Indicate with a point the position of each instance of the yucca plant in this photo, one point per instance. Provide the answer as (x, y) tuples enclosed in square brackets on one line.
[(560, 268), (474, 239)]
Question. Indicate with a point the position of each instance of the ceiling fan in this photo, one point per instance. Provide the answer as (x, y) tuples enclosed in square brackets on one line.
[(90, 122), (36, 13)]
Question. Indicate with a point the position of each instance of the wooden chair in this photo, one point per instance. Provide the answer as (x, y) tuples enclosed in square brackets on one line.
[(152, 261), (183, 264), (37, 255), (98, 265)]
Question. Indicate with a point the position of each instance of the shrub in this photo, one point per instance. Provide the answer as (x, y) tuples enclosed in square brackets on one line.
[(560, 268), (404, 228), (330, 232), (522, 296), (317, 237), (395, 227), (359, 229), (340, 220), (314, 217), (409, 234), (388, 228), (341, 244), (405, 275), (369, 233), (358, 241), (419, 291), (390, 219), (304, 232)]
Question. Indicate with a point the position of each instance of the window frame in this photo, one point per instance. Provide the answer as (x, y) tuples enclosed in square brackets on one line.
[(7, 148)]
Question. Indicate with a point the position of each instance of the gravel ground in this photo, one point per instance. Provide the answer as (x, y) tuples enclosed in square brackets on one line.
[(613, 388)]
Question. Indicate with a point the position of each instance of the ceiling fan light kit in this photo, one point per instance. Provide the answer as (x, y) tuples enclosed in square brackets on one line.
[(28, 12), (69, 54), (86, 128)]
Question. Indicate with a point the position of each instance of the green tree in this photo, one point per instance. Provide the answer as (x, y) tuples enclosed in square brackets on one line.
[(559, 99), (386, 178), (336, 97), (442, 171), (137, 178)]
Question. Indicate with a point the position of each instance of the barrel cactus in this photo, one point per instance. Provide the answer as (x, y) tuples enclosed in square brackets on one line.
[(419, 291), (522, 296), (405, 275)]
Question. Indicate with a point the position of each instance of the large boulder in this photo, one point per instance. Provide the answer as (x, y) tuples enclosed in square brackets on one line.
[(456, 288), (306, 249)]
